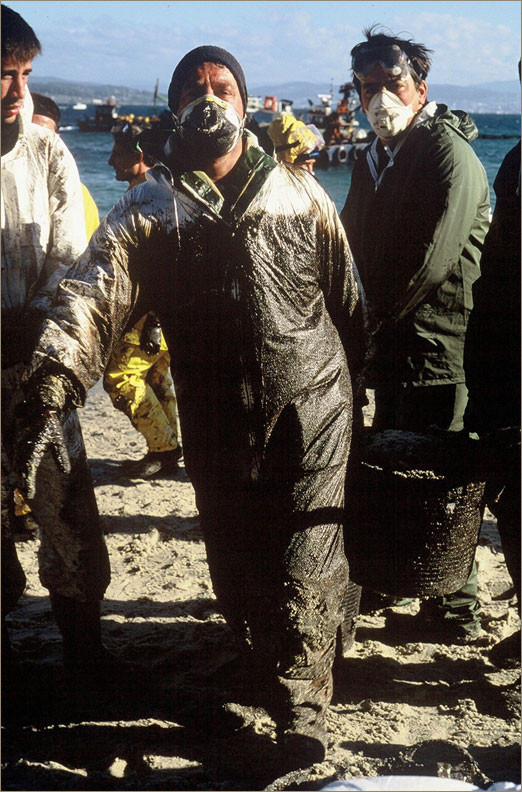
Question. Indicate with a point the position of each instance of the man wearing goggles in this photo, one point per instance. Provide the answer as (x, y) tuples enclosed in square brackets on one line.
[(391, 58), (416, 216), (391, 84)]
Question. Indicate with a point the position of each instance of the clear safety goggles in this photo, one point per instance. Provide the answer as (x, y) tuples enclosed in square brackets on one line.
[(391, 58)]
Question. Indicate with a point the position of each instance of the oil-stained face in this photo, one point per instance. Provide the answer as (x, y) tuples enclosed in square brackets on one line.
[(211, 79), (14, 82), (210, 112)]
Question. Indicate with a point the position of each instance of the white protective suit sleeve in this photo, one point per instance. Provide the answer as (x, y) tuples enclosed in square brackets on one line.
[(43, 225)]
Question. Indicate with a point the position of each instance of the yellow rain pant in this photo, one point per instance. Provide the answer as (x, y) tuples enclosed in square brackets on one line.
[(141, 386)]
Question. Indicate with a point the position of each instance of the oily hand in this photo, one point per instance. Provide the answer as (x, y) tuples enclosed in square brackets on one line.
[(150, 337), (35, 437)]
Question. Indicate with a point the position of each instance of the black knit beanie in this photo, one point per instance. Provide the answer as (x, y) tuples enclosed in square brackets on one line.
[(205, 54)]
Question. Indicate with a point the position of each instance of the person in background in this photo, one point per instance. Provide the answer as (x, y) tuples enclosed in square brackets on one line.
[(46, 113), (295, 142), (416, 215), (492, 357), (137, 377), (43, 233), (248, 268), (333, 134)]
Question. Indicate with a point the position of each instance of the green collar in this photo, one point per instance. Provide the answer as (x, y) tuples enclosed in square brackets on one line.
[(248, 176)]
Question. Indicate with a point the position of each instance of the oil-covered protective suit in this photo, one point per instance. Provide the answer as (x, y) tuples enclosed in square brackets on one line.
[(254, 295), (139, 382), (43, 233)]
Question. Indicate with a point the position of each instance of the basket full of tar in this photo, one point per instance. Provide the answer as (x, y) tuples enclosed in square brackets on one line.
[(413, 513)]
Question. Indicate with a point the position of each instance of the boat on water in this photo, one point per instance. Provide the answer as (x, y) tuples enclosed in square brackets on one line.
[(80, 106), (343, 137), (104, 118), (263, 111), (270, 104)]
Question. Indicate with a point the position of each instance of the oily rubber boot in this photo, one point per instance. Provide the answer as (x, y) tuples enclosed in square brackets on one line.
[(303, 744), (347, 629), (507, 653), (85, 659), (9, 655), (156, 464), (301, 732)]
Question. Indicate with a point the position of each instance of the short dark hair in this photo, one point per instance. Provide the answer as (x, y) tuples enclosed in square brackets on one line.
[(45, 106), (418, 54), (19, 40), (127, 134)]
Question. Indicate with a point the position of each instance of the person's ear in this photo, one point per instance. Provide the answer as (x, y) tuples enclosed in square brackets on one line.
[(422, 90)]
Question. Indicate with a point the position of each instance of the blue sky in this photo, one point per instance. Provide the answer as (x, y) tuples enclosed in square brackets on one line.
[(134, 42)]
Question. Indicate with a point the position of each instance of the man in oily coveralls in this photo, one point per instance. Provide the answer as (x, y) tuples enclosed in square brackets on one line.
[(247, 266)]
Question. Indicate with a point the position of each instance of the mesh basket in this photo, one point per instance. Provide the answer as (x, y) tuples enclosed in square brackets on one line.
[(411, 530)]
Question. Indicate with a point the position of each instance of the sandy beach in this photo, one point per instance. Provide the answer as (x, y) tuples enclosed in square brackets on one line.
[(398, 707)]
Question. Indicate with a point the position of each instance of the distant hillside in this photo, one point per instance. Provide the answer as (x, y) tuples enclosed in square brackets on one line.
[(65, 92), (495, 97), (501, 97)]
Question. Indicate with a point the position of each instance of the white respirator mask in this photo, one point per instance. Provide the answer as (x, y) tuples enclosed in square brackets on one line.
[(387, 115)]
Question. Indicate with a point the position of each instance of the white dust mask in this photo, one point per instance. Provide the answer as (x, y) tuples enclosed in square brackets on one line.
[(387, 115)]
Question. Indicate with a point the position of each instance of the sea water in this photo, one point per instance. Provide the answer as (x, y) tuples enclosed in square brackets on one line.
[(497, 135)]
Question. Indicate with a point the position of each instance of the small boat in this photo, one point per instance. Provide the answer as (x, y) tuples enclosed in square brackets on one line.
[(80, 106), (263, 111), (105, 116), (339, 127)]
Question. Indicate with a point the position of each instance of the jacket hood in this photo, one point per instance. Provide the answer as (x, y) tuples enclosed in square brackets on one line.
[(26, 114), (460, 121)]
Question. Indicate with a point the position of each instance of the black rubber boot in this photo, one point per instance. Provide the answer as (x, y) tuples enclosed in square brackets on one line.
[(156, 464), (303, 743), (507, 653), (301, 731), (9, 656), (85, 659)]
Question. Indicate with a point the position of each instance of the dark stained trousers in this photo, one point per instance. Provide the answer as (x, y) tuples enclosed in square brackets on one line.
[(277, 563), (73, 558)]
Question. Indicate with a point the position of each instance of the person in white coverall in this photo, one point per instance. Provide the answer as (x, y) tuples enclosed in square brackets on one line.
[(43, 233)]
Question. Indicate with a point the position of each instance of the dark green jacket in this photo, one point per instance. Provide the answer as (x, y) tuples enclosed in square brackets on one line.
[(417, 240)]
